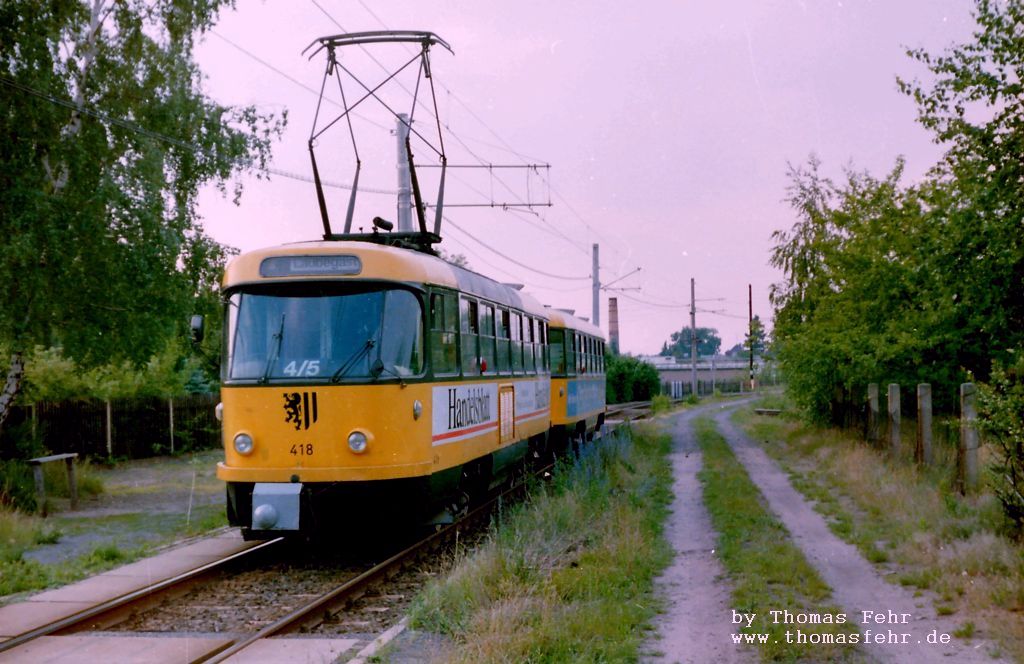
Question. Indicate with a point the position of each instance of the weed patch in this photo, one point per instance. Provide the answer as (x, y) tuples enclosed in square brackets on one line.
[(20, 575)]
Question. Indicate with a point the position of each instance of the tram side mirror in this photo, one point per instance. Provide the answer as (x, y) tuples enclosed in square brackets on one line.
[(196, 328)]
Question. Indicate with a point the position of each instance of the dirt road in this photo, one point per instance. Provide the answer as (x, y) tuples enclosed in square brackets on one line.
[(697, 625)]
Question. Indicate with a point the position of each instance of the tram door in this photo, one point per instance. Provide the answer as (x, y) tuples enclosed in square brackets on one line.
[(506, 414)]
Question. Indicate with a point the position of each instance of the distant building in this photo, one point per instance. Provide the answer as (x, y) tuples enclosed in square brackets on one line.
[(719, 372)]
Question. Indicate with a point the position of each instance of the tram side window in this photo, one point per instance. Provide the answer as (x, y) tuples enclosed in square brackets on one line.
[(470, 326), (556, 341), (503, 340), (570, 353), (517, 342), (444, 323), (487, 339), (544, 345), (529, 345), (542, 348)]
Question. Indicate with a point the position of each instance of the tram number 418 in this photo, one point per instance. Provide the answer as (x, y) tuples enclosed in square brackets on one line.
[(302, 450)]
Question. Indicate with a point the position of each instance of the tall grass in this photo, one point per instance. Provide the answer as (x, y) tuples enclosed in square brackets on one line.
[(568, 575)]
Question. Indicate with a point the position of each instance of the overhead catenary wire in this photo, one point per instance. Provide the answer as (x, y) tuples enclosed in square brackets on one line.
[(513, 275), (289, 77), (513, 260)]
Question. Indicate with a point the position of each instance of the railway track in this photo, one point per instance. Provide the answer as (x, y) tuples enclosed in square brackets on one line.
[(111, 622)]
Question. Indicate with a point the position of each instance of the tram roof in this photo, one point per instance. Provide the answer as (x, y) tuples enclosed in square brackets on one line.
[(559, 318), (375, 262)]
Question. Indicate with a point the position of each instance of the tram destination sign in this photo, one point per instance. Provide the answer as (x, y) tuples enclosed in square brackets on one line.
[(310, 265)]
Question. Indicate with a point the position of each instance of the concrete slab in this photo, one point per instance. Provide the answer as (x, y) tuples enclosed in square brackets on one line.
[(163, 566), (217, 546), (121, 649), (273, 651), (16, 619), (95, 589)]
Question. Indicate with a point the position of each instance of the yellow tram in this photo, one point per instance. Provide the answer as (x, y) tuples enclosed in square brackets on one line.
[(368, 381)]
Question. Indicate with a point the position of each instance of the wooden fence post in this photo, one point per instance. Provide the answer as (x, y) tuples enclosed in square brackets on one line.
[(923, 449), (170, 407), (894, 419), (69, 463), (110, 430), (873, 413), (37, 476), (32, 409), (968, 437)]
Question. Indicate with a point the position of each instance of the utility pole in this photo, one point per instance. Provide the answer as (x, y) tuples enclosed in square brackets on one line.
[(404, 180), (693, 339), (597, 289), (750, 328)]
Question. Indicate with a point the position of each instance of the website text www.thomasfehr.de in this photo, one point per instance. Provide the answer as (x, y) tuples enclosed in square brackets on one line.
[(877, 627)]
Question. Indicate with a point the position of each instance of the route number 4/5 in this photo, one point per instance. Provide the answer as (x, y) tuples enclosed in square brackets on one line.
[(307, 368)]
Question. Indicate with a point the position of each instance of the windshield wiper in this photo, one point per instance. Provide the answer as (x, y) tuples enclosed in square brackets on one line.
[(351, 362), (380, 368), (274, 355)]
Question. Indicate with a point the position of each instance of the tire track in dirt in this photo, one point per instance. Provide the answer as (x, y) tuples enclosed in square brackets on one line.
[(696, 625), (856, 585)]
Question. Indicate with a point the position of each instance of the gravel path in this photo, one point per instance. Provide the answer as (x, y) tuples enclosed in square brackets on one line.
[(696, 627), (856, 585)]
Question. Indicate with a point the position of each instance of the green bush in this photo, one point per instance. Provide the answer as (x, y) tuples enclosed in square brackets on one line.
[(1001, 418), (629, 379)]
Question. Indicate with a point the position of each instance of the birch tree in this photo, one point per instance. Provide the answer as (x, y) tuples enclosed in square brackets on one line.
[(105, 140)]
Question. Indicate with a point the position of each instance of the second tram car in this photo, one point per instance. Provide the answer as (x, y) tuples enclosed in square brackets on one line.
[(577, 378)]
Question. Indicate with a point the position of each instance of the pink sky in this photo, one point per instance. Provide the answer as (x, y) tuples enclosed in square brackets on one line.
[(668, 126)]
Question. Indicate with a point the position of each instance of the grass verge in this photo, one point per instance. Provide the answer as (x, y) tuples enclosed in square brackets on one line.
[(768, 572), (568, 575), (909, 521)]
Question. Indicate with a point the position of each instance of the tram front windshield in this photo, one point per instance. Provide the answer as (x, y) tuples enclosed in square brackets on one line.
[(322, 333)]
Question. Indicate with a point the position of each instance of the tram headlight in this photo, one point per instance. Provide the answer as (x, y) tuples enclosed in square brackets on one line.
[(243, 444), (357, 441)]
